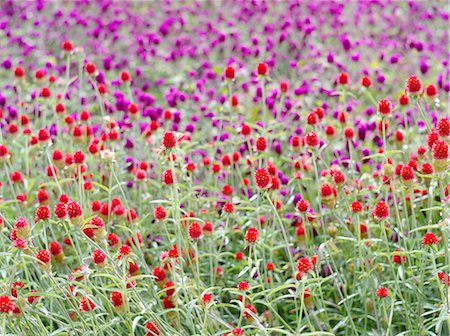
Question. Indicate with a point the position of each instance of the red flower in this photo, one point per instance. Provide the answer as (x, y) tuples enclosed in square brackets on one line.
[(228, 208), (429, 238), (90, 68), (384, 107), (431, 90), (413, 85), (160, 213), (43, 256), (169, 288), (397, 258), (403, 100), (86, 304), (262, 178), (6, 304), (343, 78), (443, 127), (380, 211), (152, 329), (98, 257), (440, 155), (261, 144), (237, 332), (382, 292), (206, 297), (125, 76), (195, 231), (252, 234), (304, 265), (169, 140), (229, 72), (42, 213), (243, 286), (262, 69), (284, 86), (356, 207), (159, 274), (67, 46), (19, 72), (366, 81), (312, 140), (117, 300), (302, 205), (168, 177)]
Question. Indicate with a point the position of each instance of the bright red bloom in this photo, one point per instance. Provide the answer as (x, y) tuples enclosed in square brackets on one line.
[(6, 304), (261, 144), (168, 177), (304, 265), (243, 286), (43, 256), (117, 299), (262, 69), (86, 304), (413, 85), (90, 68), (67, 46), (160, 213), (152, 329), (228, 208), (356, 207), (229, 72), (169, 288), (429, 238), (195, 231), (206, 297), (384, 107), (431, 90), (440, 150), (262, 178), (302, 205), (382, 292), (252, 234), (98, 257), (343, 78), (42, 213), (380, 211), (443, 127), (312, 140), (169, 140), (159, 274), (366, 81)]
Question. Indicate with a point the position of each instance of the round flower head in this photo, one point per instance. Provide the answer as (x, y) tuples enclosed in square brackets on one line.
[(312, 140), (304, 265), (160, 213), (262, 69), (443, 127), (413, 85), (384, 107), (382, 292), (117, 300), (440, 156), (302, 205), (152, 329), (229, 72), (169, 140), (6, 304), (380, 211), (195, 230), (262, 178), (252, 234), (429, 238)]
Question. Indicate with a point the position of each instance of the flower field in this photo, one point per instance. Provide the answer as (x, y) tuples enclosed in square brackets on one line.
[(224, 167)]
